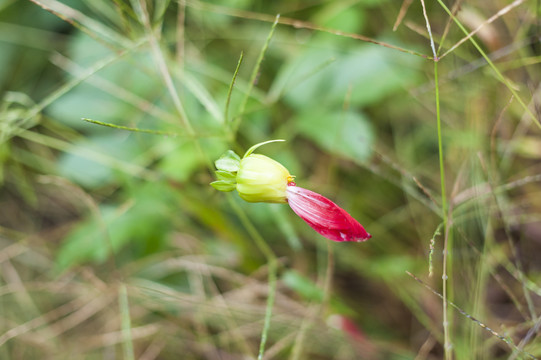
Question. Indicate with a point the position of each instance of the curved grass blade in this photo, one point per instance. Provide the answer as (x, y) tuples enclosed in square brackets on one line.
[(456, 307), (237, 121), (231, 85)]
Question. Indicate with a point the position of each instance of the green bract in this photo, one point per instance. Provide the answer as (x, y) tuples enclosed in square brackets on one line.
[(256, 177), (229, 161)]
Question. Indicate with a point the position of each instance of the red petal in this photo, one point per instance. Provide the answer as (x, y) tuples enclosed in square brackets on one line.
[(324, 216)]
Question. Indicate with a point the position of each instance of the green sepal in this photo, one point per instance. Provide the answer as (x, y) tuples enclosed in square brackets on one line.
[(226, 175), (229, 162), (223, 185)]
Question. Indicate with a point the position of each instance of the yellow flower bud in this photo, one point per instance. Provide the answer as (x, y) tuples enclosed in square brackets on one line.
[(262, 179)]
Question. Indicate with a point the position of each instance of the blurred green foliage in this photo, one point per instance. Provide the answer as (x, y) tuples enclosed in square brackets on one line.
[(88, 211)]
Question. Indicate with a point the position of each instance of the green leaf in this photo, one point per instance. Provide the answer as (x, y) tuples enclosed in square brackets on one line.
[(348, 134), (225, 175), (223, 185), (366, 76), (229, 161), (139, 226), (92, 162), (181, 161)]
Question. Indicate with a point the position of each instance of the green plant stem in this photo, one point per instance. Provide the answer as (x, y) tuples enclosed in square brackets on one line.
[(231, 86), (447, 337), (120, 127), (272, 264), (234, 126), (159, 58)]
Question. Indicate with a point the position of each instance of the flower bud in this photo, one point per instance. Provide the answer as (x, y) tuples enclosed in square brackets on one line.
[(262, 179), (324, 216), (259, 178)]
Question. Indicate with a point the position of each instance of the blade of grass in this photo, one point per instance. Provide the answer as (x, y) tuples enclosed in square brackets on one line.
[(200, 93), (231, 86), (101, 158), (140, 9), (159, 58), (148, 131), (214, 72), (446, 241), (30, 118), (119, 92), (482, 325), (499, 75), (104, 9), (235, 123), (88, 25), (456, 7), (531, 334), (297, 24), (490, 20), (402, 13), (120, 127), (124, 14)]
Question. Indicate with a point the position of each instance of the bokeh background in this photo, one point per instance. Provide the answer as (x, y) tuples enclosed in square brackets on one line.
[(114, 246)]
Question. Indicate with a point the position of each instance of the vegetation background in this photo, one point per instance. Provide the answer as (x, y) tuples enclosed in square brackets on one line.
[(114, 246)]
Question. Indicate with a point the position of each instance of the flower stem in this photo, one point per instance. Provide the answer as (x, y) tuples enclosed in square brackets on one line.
[(447, 337)]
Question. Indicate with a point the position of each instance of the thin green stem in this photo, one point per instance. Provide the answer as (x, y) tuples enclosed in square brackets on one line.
[(447, 337), (120, 127), (149, 131), (234, 126), (440, 148), (231, 86), (159, 58)]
